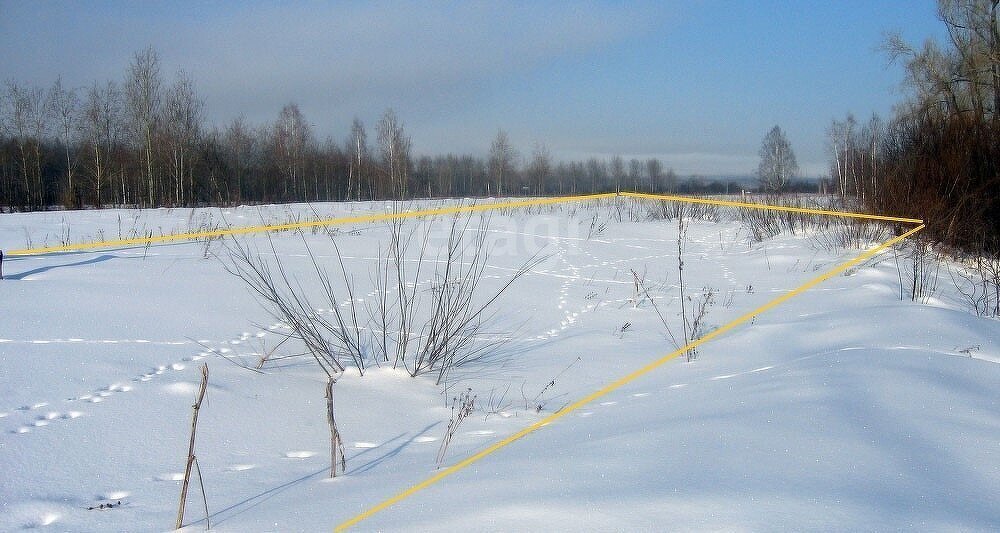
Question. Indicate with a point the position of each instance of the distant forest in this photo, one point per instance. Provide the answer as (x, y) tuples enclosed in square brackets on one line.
[(143, 142)]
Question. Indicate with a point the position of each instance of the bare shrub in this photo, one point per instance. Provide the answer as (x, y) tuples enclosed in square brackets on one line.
[(699, 310), (540, 400), (497, 402), (329, 342), (461, 407), (978, 281), (761, 224), (425, 330), (853, 233), (663, 210), (453, 323), (682, 229), (642, 292), (923, 271)]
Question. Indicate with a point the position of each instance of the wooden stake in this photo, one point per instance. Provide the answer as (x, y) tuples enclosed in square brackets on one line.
[(190, 458), (336, 445)]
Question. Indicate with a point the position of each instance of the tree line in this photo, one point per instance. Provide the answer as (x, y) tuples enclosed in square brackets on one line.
[(938, 156), (143, 141)]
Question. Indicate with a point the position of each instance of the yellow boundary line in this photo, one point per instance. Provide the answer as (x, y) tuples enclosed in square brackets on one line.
[(788, 209), (316, 223), (438, 211), (649, 367)]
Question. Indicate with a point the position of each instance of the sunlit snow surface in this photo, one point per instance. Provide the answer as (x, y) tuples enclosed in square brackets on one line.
[(844, 408)]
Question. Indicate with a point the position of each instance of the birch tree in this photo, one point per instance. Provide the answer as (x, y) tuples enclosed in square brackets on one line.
[(143, 94), (394, 145), (618, 172), (182, 118), (357, 149), (539, 169), (777, 162), (501, 161), (634, 174), (65, 107), (654, 168), (100, 125)]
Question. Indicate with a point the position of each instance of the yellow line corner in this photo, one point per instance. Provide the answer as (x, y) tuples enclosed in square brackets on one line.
[(649, 367)]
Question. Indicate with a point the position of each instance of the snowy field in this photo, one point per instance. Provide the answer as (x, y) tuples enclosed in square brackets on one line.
[(843, 409)]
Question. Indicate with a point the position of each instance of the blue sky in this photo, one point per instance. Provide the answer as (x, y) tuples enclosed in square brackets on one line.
[(696, 84)]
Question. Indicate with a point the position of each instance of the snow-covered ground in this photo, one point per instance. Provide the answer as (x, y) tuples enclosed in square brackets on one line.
[(843, 409)]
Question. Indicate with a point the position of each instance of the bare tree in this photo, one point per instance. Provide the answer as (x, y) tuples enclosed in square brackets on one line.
[(65, 107), (357, 149), (939, 153), (972, 30), (618, 172), (16, 123), (144, 97), (182, 118), (777, 161), (654, 168), (597, 174), (670, 180), (962, 79), (501, 163), (28, 113), (394, 145), (242, 146), (539, 169), (838, 137), (101, 124), (634, 174), (292, 138)]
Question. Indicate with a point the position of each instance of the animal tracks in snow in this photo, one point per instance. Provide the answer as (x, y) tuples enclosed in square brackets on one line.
[(573, 277), (25, 418), (99, 341)]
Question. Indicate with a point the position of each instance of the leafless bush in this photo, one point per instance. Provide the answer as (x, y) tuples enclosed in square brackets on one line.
[(978, 281), (699, 211), (461, 407), (663, 210), (923, 271), (422, 329), (682, 229), (699, 310), (597, 227), (761, 224), (693, 310), (642, 292), (329, 342), (453, 332), (496, 403), (634, 209), (853, 233), (540, 400)]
